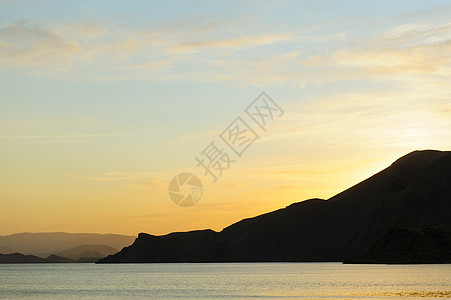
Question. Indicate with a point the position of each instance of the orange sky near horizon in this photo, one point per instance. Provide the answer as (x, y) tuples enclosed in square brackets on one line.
[(102, 105)]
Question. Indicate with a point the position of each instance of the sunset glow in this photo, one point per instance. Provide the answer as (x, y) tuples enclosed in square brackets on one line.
[(102, 104)]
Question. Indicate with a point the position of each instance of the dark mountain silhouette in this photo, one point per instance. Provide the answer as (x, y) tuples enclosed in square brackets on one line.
[(15, 258), (45, 244), (415, 191), (430, 245), (59, 259)]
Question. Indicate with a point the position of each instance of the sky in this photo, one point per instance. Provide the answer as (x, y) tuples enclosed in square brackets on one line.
[(104, 102)]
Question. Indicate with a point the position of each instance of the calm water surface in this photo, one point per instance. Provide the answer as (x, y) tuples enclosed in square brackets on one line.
[(232, 280)]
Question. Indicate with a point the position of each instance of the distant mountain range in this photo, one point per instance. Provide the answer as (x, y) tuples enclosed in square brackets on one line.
[(79, 254), (59, 247), (400, 215), (87, 253), (45, 244)]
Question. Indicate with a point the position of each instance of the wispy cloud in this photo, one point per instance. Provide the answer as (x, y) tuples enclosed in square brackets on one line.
[(367, 119), (142, 179), (102, 177), (194, 49), (88, 48), (399, 54), (56, 136), (237, 43), (25, 44), (154, 183)]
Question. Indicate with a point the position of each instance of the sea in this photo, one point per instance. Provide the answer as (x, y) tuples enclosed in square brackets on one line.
[(224, 281)]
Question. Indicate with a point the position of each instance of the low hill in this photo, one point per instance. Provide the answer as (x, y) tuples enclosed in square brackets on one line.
[(15, 258), (58, 259)]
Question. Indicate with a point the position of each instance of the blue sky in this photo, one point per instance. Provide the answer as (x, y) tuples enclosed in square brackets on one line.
[(104, 101)]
